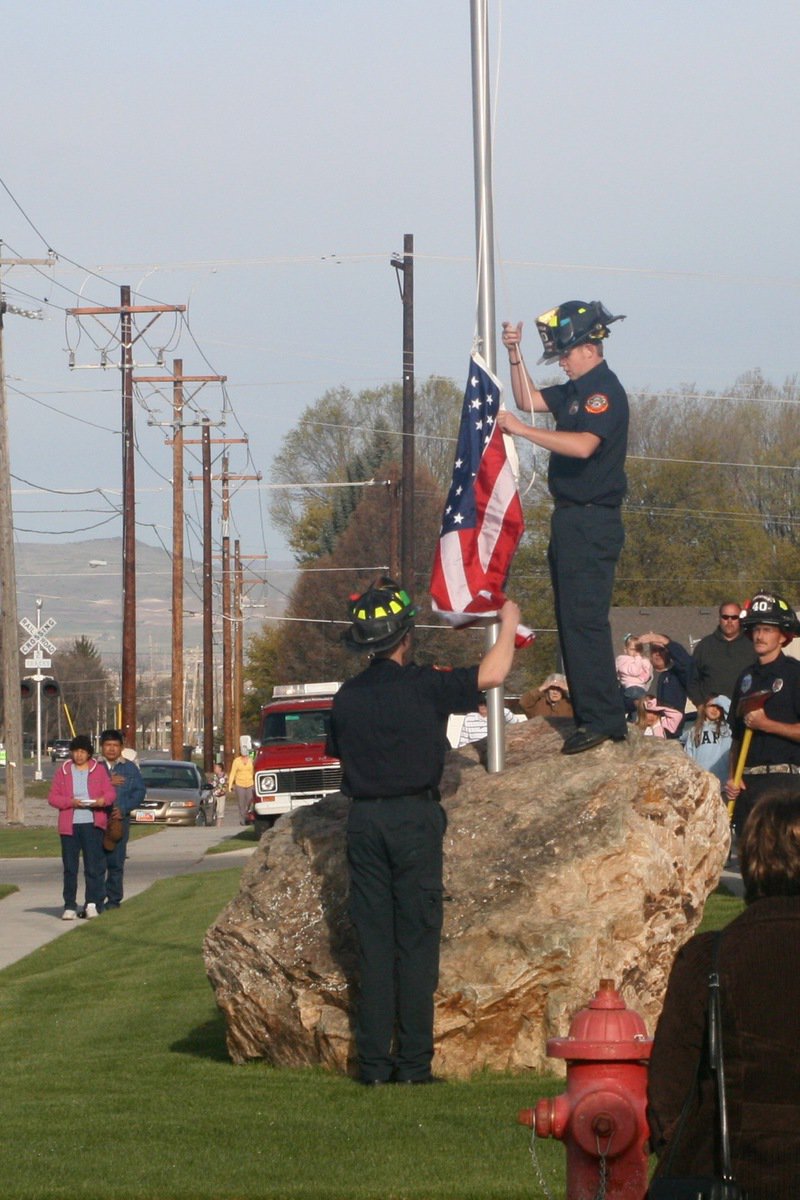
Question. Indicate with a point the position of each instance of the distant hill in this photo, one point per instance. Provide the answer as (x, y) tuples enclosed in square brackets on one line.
[(86, 599)]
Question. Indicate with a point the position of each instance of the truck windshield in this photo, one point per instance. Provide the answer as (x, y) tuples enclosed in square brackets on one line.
[(310, 725)]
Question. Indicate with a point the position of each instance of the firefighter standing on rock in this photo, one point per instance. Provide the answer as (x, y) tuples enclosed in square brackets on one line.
[(586, 477)]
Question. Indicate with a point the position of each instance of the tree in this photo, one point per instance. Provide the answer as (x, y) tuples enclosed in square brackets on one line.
[(84, 684), (342, 433)]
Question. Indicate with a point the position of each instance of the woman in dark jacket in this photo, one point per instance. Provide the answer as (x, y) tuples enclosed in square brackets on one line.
[(760, 988)]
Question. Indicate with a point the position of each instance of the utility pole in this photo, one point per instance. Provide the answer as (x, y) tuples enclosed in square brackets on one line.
[(177, 736), (238, 639), (406, 266), (12, 699), (227, 631), (208, 633), (126, 311), (208, 612), (178, 379)]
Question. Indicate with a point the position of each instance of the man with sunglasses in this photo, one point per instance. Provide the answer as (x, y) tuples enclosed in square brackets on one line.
[(719, 659)]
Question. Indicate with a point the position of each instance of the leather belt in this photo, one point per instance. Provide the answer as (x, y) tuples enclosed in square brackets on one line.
[(774, 769)]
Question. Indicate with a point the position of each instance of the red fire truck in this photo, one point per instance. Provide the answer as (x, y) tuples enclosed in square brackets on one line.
[(291, 767)]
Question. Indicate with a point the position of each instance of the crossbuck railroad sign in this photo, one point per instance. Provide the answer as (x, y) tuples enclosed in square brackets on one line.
[(37, 639)]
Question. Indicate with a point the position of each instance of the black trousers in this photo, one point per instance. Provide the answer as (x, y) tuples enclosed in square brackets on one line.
[(755, 786), (585, 544), (394, 848)]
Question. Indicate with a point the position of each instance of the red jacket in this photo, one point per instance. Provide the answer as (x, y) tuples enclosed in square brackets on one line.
[(61, 795)]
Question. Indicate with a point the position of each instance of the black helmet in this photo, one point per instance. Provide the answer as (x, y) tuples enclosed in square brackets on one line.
[(572, 324), (381, 617), (765, 608)]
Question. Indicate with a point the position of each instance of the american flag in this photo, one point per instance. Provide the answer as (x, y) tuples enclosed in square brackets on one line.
[(482, 522)]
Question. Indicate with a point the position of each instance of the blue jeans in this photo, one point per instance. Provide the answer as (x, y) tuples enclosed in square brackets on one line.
[(86, 840), (115, 865)]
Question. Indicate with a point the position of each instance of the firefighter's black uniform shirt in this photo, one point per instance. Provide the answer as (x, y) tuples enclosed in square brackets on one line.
[(389, 726), (769, 749), (594, 403)]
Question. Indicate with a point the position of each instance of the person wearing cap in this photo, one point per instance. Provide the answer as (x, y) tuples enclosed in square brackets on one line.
[(766, 700), (389, 729), (130, 791), (586, 478), (550, 699)]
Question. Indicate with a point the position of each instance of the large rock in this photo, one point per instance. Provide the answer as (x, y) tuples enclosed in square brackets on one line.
[(559, 871)]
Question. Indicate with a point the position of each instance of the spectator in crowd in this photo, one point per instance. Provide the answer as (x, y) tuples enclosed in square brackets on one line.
[(241, 780), (656, 720), (634, 673), (766, 700), (671, 667), (708, 740), (550, 699), (130, 791), (220, 790), (476, 724), (719, 658), (760, 997), (82, 792)]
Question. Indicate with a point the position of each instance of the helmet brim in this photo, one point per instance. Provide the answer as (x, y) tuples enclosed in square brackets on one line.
[(359, 645)]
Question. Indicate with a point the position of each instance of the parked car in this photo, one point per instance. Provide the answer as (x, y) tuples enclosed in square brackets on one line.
[(59, 749), (177, 794)]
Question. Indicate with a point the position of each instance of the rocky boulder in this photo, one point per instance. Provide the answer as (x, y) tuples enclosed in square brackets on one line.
[(559, 871)]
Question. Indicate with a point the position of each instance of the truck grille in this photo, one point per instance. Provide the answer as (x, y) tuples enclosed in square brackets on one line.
[(310, 779)]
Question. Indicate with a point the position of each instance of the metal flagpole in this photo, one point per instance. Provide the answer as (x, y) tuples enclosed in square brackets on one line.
[(484, 236)]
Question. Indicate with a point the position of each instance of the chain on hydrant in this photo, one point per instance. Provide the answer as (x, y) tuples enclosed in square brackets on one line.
[(601, 1117)]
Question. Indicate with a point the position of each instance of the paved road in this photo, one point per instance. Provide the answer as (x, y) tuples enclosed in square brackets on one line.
[(31, 917)]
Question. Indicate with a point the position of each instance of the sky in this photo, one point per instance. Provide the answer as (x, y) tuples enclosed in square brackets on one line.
[(261, 161)]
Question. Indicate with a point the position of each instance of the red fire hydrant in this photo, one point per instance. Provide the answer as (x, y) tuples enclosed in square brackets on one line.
[(601, 1116)]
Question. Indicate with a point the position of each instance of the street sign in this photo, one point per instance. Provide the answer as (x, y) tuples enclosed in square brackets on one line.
[(37, 641), (38, 661)]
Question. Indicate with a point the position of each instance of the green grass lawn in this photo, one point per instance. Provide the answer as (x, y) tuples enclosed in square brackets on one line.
[(24, 842), (244, 839), (115, 1083)]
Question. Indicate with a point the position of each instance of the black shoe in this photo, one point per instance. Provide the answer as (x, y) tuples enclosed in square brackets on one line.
[(583, 739), (372, 1082)]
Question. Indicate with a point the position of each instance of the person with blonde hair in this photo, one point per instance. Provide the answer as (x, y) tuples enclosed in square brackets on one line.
[(708, 740), (241, 781)]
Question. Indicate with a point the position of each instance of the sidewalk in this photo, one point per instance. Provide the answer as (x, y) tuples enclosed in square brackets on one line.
[(31, 917)]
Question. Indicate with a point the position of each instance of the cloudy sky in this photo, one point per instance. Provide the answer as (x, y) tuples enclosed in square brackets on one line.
[(260, 161)]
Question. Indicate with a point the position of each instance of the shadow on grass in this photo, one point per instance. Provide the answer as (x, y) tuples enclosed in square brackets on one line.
[(206, 1041)]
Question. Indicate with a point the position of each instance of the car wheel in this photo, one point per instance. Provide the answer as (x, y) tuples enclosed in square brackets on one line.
[(262, 824)]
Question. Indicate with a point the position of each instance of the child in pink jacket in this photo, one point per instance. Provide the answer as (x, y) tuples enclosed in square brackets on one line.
[(82, 792)]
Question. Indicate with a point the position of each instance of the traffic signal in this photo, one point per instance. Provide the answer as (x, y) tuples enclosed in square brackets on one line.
[(50, 688), (26, 689)]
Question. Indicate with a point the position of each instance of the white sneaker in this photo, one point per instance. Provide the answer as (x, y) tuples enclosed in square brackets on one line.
[(68, 914), (90, 911)]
